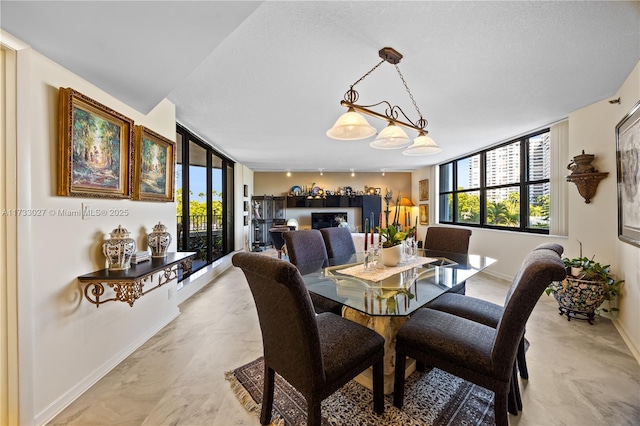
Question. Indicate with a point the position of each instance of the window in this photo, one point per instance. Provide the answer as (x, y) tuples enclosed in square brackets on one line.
[(504, 187), (205, 209)]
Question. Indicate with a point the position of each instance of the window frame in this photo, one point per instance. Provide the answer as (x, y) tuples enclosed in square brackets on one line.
[(523, 184), (228, 205)]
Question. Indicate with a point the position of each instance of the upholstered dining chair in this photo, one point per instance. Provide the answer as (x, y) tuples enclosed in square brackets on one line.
[(339, 242), (306, 250), (485, 312), (316, 354), (471, 350), (442, 240), (449, 239)]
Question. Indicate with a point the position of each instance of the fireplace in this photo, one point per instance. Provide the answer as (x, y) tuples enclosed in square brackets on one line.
[(327, 220)]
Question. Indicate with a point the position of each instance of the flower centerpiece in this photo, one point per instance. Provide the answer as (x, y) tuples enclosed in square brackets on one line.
[(587, 286), (391, 239)]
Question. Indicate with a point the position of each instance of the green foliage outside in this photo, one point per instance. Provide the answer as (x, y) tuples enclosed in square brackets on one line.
[(505, 212), (199, 208)]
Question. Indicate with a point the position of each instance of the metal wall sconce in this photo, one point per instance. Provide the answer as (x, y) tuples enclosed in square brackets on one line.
[(585, 176)]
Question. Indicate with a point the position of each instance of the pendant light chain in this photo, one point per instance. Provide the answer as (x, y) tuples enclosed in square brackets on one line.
[(370, 71), (421, 122)]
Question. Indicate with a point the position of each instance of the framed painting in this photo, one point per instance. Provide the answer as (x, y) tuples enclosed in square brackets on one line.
[(154, 166), (95, 148), (246, 190), (424, 214), (628, 174), (424, 190), (246, 206)]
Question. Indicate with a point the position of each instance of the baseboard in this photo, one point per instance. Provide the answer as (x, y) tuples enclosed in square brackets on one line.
[(46, 415), (198, 280), (634, 351)]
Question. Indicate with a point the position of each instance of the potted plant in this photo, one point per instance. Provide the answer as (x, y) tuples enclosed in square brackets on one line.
[(391, 244), (587, 285)]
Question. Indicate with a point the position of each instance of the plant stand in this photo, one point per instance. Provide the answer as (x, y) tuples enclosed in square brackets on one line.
[(583, 316), (578, 299)]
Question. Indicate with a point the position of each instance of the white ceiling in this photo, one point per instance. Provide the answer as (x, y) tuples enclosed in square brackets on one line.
[(263, 81)]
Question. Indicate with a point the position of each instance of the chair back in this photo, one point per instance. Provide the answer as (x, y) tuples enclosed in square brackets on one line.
[(539, 269), (448, 239), (306, 247), (339, 242), (287, 320)]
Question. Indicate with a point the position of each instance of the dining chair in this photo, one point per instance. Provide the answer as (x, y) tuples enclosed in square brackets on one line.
[(307, 251), (441, 240), (474, 351), (339, 242), (449, 239), (316, 353), (485, 312)]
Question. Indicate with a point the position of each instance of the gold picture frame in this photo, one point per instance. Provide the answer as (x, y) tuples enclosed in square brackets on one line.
[(95, 148), (424, 190), (154, 166), (424, 214)]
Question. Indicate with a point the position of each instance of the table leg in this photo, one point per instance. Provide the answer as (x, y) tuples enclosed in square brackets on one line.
[(387, 327)]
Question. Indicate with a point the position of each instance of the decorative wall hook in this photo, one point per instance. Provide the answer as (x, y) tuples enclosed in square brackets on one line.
[(615, 101), (585, 176)]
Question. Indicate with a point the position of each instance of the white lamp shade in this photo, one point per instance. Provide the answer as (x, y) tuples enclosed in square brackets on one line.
[(351, 126), (391, 137), (422, 145)]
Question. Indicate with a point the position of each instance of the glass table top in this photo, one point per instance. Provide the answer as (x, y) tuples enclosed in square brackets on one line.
[(405, 289)]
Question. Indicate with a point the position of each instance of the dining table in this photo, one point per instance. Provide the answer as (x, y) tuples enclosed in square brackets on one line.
[(384, 297)]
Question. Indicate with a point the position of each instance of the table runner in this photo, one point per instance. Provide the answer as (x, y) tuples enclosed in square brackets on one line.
[(374, 274)]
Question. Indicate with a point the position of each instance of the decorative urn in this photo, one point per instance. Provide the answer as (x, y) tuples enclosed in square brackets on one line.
[(159, 241), (119, 249)]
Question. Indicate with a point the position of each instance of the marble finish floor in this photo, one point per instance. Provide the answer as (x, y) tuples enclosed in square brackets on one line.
[(579, 374)]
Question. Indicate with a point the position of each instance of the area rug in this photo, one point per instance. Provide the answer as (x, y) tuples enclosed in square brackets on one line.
[(432, 398)]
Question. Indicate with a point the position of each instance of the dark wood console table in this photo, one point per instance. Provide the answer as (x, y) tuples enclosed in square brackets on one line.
[(127, 284)]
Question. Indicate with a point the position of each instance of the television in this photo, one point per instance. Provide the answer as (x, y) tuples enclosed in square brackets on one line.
[(327, 220)]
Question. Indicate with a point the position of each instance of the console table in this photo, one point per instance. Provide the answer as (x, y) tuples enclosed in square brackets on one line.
[(127, 284)]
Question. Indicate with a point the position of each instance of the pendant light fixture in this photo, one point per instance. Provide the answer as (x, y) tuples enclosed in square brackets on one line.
[(352, 125), (422, 145)]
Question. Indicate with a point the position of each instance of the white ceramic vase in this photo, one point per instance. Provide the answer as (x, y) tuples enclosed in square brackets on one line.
[(391, 256), (119, 249), (159, 241)]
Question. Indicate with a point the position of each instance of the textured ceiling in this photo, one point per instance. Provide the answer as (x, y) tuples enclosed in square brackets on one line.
[(263, 81)]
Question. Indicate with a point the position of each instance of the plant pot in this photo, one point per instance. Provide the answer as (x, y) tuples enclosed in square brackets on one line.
[(391, 256), (579, 298)]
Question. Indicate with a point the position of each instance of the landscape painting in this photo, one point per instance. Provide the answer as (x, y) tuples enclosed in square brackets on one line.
[(154, 166), (95, 148)]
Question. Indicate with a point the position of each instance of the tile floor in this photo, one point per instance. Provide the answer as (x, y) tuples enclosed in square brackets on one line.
[(580, 374)]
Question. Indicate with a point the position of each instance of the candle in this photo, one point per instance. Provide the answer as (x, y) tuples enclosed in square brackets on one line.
[(372, 235), (366, 230)]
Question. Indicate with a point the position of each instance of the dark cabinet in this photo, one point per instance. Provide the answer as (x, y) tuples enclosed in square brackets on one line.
[(371, 206)]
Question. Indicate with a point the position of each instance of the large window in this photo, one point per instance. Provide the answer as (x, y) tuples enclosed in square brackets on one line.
[(204, 199), (505, 187)]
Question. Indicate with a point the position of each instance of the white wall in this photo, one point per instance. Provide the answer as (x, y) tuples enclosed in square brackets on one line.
[(66, 343)]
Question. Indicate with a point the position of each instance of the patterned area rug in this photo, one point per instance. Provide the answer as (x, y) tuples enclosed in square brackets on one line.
[(431, 398)]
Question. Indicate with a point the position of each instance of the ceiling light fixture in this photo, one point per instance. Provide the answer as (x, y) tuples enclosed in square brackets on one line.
[(353, 126), (352, 173), (382, 170), (321, 174), (288, 174)]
